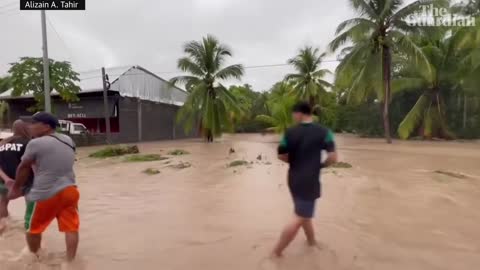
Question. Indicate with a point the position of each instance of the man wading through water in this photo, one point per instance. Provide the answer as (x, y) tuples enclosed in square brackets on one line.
[(54, 194), (301, 147), (11, 152)]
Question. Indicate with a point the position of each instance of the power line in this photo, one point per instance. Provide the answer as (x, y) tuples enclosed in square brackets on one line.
[(181, 72), (61, 39)]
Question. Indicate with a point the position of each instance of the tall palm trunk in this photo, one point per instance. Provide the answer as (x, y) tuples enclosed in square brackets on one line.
[(387, 77)]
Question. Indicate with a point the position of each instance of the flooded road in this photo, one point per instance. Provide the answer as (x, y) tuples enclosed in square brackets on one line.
[(399, 207)]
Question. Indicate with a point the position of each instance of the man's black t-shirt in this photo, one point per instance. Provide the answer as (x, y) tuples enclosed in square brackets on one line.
[(304, 144), (11, 155)]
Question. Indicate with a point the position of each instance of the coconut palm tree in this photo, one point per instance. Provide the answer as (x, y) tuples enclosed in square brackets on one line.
[(429, 112), (308, 81), (469, 8), (281, 115), (209, 103), (380, 29)]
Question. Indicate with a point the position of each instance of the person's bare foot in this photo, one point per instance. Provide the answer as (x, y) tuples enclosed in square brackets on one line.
[(316, 244), (276, 254), (312, 243)]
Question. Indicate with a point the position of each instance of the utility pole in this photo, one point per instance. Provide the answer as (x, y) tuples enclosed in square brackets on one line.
[(106, 87), (46, 69)]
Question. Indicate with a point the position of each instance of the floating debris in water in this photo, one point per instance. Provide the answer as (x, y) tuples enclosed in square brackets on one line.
[(178, 152), (231, 151), (237, 163), (151, 171), (181, 165), (452, 174)]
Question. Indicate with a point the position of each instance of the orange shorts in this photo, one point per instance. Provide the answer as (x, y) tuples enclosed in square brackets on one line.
[(63, 206)]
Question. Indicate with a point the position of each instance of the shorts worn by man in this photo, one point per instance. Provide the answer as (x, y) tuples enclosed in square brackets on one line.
[(302, 147), (54, 194)]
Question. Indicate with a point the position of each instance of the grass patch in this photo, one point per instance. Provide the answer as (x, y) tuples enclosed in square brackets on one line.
[(451, 174), (115, 151), (237, 163), (178, 152), (181, 165), (151, 171), (342, 165), (144, 158)]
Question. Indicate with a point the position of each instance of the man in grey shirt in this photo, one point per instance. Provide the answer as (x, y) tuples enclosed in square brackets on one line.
[(54, 194)]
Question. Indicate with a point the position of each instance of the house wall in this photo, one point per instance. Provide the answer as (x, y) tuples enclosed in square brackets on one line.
[(142, 120), (127, 112), (138, 120)]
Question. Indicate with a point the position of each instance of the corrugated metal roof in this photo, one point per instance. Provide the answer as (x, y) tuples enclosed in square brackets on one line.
[(92, 80), (133, 81)]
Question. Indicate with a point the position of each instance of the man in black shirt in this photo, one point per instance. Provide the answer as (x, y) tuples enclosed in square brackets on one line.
[(11, 152), (301, 147)]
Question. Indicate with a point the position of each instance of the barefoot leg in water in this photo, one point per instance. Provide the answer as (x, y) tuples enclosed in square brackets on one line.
[(287, 235), (309, 232)]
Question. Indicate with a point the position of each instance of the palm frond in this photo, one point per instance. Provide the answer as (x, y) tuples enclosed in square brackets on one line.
[(407, 84), (356, 32), (414, 117), (187, 65), (353, 22), (364, 8), (406, 44), (233, 71), (184, 80)]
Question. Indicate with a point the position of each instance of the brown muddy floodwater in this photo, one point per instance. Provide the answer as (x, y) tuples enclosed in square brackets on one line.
[(390, 211)]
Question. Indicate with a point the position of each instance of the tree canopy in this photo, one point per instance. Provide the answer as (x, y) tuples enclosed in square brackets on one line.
[(26, 77)]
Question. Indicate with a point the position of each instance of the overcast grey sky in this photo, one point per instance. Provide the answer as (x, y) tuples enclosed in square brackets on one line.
[(151, 33)]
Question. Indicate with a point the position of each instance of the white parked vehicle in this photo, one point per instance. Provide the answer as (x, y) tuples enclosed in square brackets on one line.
[(72, 128), (5, 134)]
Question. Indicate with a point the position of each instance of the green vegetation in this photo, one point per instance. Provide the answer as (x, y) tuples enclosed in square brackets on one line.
[(26, 76), (178, 152), (308, 83), (144, 158), (341, 165), (420, 81), (209, 104), (115, 151), (151, 171), (181, 165), (5, 83), (237, 163)]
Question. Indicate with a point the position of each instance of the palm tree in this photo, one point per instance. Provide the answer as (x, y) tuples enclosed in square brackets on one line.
[(308, 82), (209, 103), (429, 112), (472, 8), (280, 105), (380, 30)]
